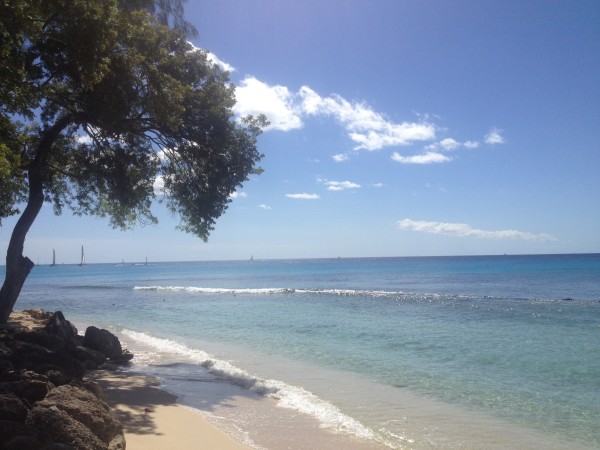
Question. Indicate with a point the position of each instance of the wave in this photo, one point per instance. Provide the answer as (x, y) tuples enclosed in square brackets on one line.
[(394, 295), (287, 396), (265, 291), (203, 290)]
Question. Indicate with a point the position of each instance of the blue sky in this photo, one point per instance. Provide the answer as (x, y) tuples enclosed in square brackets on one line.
[(398, 128)]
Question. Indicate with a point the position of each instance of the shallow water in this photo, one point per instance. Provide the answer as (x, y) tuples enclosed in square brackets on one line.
[(466, 352)]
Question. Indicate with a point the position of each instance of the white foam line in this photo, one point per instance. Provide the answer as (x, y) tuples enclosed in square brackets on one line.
[(287, 396)]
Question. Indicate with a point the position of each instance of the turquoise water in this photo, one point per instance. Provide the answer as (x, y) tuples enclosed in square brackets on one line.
[(511, 340)]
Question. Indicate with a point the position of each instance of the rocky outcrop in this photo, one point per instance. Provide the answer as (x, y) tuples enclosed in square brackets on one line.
[(107, 343), (45, 402)]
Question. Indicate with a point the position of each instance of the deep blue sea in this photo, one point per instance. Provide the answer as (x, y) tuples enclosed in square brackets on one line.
[(432, 352)]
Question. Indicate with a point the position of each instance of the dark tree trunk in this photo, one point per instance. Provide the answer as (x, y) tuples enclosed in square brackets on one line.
[(17, 265)]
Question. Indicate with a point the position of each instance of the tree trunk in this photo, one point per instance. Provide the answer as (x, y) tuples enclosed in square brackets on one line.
[(17, 265)]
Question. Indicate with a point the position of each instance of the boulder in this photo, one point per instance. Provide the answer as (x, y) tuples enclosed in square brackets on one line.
[(59, 326), (47, 340), (83, 406), (84, 354), (103, 341), (12, 408), (61, 428), (123, 358), (28, 390), (18, 436)]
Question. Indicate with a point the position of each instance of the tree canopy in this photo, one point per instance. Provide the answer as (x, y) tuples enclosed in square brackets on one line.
[(98, 99)]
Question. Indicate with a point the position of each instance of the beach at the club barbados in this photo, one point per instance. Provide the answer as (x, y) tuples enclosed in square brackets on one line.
[(477, 352)]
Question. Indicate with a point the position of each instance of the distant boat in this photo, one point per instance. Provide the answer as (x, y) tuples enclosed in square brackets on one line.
[(53, 258), (146, 261), (252, 258), (82, 257)]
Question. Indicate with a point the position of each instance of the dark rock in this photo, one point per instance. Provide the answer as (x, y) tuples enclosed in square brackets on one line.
[(91, 386), (47, 340), (57, 377), (103, 341), (83, 406), (88, 354), (29, 390), (12, 408), (63, 429), (59, 326), (123, 358), (18, 436)]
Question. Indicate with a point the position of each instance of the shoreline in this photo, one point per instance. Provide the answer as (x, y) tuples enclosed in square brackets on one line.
[(53, 393), (153, 419)]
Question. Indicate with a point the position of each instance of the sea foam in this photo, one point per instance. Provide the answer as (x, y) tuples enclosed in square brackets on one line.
[(286, 395)]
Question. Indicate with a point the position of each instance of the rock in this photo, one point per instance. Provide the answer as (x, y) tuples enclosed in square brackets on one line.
[(49, 341), (59, 326), (83, 406), (123, 358), (103, 341), (91, 386), (84, 354), (38, 314), (12, 408), (29, 390), (118, 443), (18, 436), (63, 429)]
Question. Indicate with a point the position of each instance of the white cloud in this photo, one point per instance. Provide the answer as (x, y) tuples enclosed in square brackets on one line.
[(263, 206), (471, 144), (377, 185), (341, 185), (449, 144), (340, 157), (494, 137), (236, 194), (464, 230), (369, 129), (211, 57), (159, 185), (285, 110), (276, 102), (303, 196), (426, 158), (222, 64), (83, 139)]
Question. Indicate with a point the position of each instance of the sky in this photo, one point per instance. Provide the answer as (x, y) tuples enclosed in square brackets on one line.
[(398, 128)]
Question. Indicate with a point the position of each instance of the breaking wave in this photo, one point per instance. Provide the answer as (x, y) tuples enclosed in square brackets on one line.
[(287, 396)]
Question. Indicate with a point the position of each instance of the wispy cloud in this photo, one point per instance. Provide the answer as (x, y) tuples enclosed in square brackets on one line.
[(465, 230), (370, 130), (341, 185), (214, 59), (285, 109), (425, 158), (494, 137), (303, 196), (340, 157), (263, 206), (236, 194)]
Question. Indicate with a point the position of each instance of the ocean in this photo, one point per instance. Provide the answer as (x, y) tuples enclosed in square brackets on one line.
[(407, 353)]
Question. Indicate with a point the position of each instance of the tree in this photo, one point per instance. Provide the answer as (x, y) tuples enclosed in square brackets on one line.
[(98, 98)]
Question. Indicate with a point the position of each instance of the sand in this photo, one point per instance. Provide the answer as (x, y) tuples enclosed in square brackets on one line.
[(153, 419)]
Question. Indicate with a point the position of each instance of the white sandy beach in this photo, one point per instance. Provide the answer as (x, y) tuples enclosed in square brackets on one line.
[(152, 418)]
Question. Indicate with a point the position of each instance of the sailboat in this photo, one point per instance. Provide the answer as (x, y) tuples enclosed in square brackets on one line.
[(53, 258), (82, 257)]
